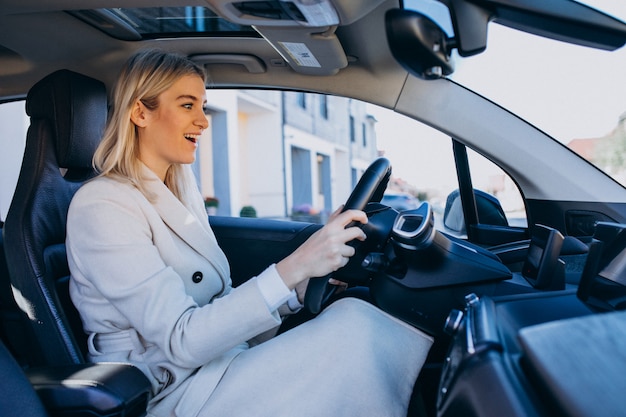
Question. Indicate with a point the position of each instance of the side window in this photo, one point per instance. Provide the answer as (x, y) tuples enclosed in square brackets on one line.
[(265, 156), (493, 181), (422, 163), (498, 200), (13, 127)]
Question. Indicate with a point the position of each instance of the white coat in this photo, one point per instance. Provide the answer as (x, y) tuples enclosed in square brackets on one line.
[(153, 289)]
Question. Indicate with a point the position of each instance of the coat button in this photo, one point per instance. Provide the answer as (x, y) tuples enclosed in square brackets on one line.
[(196, 277)]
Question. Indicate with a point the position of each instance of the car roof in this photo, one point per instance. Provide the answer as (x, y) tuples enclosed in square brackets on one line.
[(37, 38)]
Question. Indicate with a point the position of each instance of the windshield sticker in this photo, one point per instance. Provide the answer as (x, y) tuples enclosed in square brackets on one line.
[(300, 53)]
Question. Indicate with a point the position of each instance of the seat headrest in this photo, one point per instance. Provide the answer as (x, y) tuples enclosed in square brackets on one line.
[(76, 108)]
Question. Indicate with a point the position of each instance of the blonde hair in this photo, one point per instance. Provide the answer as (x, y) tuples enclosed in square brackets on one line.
[(145, 76)]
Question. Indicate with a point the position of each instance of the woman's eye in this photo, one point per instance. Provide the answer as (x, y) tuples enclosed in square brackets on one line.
[(188, 106)]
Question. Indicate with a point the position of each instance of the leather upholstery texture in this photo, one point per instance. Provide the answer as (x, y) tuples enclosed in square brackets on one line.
[(67, 117)]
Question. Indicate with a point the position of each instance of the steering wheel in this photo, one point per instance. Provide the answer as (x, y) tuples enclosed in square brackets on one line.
[(370, 188), (371, 185)]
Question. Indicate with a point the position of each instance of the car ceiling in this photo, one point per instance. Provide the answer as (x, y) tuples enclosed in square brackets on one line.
[(37, 38)]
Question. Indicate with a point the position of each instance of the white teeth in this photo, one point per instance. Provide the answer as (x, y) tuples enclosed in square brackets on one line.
[(191, 137)]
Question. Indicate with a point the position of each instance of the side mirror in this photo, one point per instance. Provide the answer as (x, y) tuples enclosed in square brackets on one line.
[(489, 209), (419, 44)]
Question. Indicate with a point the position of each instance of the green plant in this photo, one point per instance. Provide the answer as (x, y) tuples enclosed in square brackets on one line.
[(211, 202), (247, 211)]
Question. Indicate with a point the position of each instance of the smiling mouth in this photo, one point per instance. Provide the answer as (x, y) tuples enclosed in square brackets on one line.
[(192, 138)]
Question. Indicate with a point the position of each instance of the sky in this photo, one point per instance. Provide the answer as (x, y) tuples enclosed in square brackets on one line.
[(568, 91)]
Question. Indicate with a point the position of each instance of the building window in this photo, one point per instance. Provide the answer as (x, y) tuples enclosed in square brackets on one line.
[(301, 100), (364, 134), (352, 130), (324, 106)]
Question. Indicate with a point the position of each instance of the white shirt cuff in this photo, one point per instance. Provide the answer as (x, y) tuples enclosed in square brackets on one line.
[(275, 292), (293, 303)]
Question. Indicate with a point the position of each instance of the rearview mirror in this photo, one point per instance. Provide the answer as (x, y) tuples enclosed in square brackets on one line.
[(563, 20), (419, 44)]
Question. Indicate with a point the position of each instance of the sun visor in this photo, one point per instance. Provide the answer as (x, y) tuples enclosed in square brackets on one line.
[(307, 51)]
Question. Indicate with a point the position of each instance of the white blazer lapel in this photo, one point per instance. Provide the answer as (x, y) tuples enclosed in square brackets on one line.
[(185, 224)]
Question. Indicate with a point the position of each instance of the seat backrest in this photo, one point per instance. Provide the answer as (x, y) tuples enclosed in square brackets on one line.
[(15, 332), (67, 116)]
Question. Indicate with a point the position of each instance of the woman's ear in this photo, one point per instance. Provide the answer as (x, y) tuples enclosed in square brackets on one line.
[(139, 114)]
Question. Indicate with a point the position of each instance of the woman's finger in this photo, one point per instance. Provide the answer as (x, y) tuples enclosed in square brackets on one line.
[(352, 233), (350, 216), (337, 282)]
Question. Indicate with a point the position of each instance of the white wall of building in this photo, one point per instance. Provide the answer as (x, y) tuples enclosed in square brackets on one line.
[(224, 131), (262, 162), (242, 162), (13, 127)]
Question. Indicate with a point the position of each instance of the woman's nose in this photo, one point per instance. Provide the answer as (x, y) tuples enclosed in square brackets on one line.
[(203, 121)]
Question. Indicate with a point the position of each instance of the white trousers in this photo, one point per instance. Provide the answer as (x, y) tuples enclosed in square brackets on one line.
[(351, 360)]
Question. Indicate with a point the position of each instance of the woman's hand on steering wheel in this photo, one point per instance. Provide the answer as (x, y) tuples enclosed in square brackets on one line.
[(325, 251), (370, 187)]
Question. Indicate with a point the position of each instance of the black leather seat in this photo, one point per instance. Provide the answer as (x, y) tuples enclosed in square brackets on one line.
[(18, 395), (14, 330), (68, 112), (67, 116), (87, 390)]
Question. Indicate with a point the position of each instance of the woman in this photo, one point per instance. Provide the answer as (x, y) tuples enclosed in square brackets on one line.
[(153, 287)]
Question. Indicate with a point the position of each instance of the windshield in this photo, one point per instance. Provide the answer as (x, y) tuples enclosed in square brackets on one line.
[(573, 93)]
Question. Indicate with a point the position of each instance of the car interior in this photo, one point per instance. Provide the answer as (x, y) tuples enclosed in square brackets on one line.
[(527, 320)]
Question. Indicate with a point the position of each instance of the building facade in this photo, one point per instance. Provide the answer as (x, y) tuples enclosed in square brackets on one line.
[(286, 154)]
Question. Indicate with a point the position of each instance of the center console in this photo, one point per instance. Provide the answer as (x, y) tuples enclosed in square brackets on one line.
[(484, 372), (545, 353)]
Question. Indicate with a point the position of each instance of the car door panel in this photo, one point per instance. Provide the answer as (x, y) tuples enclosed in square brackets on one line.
[(490, 235), (252, 244), (574, 218)]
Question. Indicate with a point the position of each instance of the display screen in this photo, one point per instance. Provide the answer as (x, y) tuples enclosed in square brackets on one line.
[(542, 257), (535, 252), (615, 270), (603, 282)]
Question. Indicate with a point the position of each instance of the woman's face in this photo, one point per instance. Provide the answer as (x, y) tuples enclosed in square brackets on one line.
[(169, 134)]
